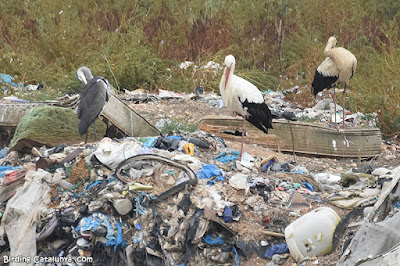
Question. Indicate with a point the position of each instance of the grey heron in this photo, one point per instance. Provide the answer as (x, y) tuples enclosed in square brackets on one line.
[(94, 97)]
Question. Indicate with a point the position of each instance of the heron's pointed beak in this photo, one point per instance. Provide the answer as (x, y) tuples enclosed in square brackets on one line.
[(228, 70)]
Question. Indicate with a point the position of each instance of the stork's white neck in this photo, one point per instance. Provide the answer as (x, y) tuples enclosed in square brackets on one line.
[(330, 44), (228, 73)]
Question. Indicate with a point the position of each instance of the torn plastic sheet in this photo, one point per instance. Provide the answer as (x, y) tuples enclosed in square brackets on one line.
[(112, 154), (209, 171), (149, 142), (20, 217), (97, 219), (225, 158)]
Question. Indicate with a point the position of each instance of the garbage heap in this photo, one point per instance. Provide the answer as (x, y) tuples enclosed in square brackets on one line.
[(181, 200), (292, 104)]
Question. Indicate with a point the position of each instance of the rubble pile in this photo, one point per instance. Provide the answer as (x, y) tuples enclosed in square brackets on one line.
[(323, 112), (281, 107)]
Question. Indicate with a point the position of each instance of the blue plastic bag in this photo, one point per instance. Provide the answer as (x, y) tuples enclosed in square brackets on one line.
[(210, 171), (226, 158), (96, 219), (227, 215), (209, 239), (308, 186)]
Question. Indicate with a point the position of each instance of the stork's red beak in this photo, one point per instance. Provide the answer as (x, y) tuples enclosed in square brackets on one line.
[(228, 69)]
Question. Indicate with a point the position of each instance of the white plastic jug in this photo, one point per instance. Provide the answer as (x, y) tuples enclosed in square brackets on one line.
[(312, 234)]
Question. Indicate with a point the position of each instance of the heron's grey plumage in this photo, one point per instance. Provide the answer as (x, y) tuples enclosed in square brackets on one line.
[(93, 98)]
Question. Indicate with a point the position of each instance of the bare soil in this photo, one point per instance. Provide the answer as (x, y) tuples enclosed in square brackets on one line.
[(193, 111)]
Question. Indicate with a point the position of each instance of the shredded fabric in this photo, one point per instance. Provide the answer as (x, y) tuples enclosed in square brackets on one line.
[(276, 249), (4, 170)]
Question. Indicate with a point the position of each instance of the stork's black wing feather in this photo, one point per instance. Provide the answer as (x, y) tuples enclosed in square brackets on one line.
[(260, 115), (322, 82)]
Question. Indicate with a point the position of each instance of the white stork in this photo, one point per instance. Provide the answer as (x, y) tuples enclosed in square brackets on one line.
[(338, 67), (243, 98), (93, 99)]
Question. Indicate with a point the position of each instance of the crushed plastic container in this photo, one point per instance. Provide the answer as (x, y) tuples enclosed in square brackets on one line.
[(325, 178), (312, 234)]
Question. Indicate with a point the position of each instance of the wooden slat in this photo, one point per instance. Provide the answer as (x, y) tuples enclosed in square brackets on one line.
[(301, 137), (127, 120)]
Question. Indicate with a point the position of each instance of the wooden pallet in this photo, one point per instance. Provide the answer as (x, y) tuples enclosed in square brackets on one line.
[(300, 137)]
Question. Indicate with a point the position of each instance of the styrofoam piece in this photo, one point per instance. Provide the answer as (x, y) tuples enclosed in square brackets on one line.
[(325, 178), (239, 181)]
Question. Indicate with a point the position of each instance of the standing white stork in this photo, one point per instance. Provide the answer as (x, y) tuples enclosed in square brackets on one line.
[(92, 101), (243, 98), (338, 67)]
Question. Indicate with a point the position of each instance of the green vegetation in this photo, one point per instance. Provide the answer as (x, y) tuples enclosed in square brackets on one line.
[(277, 43), (308, 119), (176, 125), (60, 122)]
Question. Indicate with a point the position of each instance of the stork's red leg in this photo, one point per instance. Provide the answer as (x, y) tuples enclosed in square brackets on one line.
[(344, 99), (335, 102), (243, 133)]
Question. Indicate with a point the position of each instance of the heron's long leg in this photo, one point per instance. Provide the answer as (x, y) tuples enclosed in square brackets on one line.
[(108, 134), (86, 137), (94, 130), (243, 133)]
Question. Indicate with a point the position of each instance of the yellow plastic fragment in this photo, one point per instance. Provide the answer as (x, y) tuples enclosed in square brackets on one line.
[(138, 186)]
